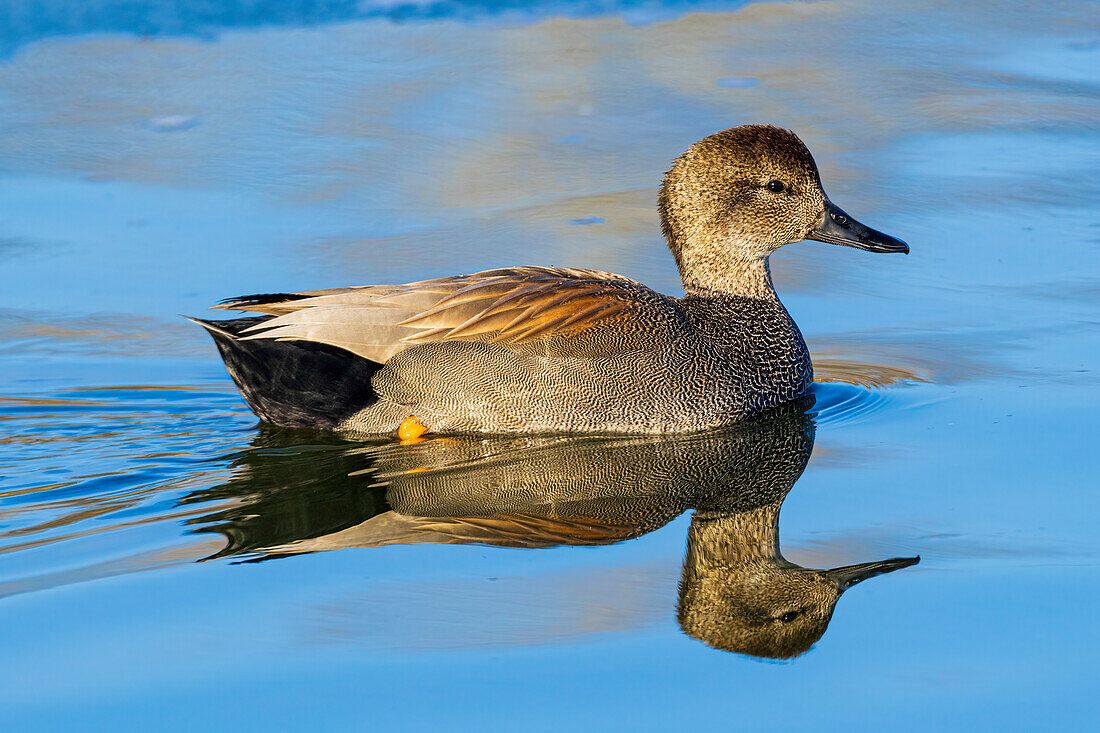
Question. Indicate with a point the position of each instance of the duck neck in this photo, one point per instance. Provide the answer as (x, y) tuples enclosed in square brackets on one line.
[(748, 278), (735, 539), (744, 316)]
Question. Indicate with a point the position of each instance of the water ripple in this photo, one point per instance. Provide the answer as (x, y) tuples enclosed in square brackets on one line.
[(842, 404), (87, 473)]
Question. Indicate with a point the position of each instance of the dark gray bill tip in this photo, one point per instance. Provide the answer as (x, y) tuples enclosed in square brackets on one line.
[(849, 575), (836, 227)]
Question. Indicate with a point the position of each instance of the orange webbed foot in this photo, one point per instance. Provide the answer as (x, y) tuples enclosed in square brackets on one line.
[(410, 431)]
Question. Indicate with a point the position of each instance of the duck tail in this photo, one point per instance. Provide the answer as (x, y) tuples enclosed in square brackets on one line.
[(299, 384)]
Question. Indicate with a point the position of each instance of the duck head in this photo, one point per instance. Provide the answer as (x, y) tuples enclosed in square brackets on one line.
[(739, 593), (735, 197)]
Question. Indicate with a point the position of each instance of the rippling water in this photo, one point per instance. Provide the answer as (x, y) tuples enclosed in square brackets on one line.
[(163, 558)]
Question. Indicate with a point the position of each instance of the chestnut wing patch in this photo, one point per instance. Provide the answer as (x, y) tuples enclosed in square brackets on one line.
[(521, 305)]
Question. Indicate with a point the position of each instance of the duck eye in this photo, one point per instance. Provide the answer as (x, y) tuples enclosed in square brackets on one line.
[(775, 186), (789, 616)]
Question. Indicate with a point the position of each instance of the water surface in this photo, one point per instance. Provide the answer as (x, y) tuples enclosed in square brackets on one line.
[(164, 560)]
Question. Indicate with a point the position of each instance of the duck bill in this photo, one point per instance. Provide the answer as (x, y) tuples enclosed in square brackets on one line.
[(849, 575), (836, 227)]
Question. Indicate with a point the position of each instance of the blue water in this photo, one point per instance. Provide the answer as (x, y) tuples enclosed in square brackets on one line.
[(165, 562)]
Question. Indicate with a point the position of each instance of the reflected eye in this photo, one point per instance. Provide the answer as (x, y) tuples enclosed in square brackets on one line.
[(775, 186), (789, 616)]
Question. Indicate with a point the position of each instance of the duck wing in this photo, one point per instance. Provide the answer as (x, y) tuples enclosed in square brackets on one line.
[(521, 308)]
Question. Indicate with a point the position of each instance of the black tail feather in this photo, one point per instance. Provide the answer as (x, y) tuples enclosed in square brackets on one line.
[(297, 384), (246, 301)]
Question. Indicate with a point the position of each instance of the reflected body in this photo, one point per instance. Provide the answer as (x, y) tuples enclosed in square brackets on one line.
[(737, 592), (539, 349)]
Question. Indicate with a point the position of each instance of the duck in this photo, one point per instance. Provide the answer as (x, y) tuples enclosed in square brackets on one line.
[(533, 349)]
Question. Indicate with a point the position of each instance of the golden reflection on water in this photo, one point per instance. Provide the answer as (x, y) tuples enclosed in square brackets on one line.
[(861, 374)]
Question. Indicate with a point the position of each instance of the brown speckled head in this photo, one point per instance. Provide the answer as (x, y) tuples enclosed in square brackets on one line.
[(736, 196)]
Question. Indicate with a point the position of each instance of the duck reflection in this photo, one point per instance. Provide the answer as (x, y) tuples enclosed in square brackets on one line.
[(740, 594), (299, 491)]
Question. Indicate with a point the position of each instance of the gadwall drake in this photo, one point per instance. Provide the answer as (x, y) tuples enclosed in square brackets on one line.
[(551, 349)]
